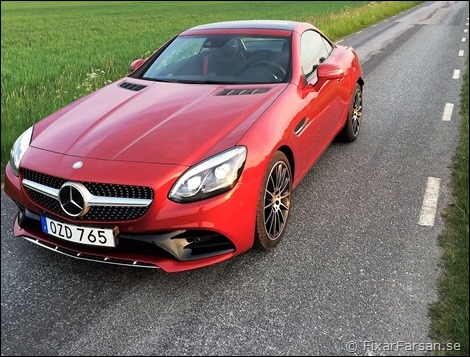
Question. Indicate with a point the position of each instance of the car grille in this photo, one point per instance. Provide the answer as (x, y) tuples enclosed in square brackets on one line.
[(96, 213)]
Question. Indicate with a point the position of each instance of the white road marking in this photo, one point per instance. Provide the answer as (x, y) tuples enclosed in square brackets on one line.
[(358, 32), (448, 109), (466, 30), (374, 25), (456, 74), (461, 53), (342, 41), (464, 39), (429, 207)]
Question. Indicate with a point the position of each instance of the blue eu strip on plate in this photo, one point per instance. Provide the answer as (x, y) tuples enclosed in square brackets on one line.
[(44, 224)]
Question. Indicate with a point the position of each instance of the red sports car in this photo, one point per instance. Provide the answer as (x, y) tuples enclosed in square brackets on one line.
[(191, 159)]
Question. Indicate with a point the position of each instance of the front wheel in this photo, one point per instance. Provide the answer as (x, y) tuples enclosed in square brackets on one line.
[(350, 131), (274, 202)]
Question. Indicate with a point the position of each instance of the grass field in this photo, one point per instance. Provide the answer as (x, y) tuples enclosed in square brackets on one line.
[(54, 52), (450, 313)]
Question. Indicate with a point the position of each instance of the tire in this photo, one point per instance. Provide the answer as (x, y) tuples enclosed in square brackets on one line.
[(353, 123), (274, 203)]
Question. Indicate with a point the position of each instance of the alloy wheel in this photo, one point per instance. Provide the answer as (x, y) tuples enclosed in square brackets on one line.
[(277, 198)]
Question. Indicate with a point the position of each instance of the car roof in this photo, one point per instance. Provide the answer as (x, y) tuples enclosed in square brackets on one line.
[(251, 24)]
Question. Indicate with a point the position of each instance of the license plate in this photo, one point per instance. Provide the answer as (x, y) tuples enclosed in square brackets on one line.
[(102, 237)]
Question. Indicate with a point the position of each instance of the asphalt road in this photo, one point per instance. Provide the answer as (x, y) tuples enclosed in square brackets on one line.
[(354, 267)]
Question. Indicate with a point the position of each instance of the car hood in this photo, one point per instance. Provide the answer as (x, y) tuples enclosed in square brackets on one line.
[(170, 123)]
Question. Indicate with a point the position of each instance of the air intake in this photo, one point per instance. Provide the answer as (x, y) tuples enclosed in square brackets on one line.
[(132, 86), (243, 91)]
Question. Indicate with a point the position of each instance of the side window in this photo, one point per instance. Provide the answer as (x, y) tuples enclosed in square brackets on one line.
[(313, 51), (328, 47)]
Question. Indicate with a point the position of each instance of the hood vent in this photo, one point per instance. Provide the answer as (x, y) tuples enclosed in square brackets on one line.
[(243, 91), (132, 86)]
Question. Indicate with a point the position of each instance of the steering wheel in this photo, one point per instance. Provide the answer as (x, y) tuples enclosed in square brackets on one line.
[(233, 48), (279, 72)]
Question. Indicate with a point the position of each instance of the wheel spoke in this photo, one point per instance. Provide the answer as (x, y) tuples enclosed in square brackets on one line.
[(282, 219), (358, 98), (266, 206), (269, 193), (354, 125), (279, 175), (271, 215), (273, 184), (273, 229), (279, 222), (285, 184)]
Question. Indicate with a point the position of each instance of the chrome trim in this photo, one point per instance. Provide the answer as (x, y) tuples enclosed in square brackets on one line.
[(85, 197), (301, 126), (105, 260), (45, 190), (118, 201), (92, 200)]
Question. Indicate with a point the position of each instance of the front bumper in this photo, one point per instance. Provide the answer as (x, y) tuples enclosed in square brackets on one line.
[(172, 236)]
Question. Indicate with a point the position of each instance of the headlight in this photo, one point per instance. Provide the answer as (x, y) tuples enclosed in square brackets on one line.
[(19, 148), (210, 177)]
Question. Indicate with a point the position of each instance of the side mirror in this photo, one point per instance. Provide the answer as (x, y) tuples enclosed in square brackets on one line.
[(136, 64), (325, 71), (330, 71)]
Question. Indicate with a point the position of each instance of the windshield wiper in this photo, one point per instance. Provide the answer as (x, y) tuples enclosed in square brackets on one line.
[(203, 81), (160, 80)]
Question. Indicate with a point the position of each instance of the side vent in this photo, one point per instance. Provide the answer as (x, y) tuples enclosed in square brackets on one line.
[(132, 86), (241, 91)]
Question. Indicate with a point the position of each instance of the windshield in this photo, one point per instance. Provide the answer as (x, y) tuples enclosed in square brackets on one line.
[(227, 59)]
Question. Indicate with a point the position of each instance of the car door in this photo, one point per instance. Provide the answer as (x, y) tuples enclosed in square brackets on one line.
[(325, 101)]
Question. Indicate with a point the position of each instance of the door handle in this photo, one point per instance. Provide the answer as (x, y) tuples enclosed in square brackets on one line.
[(301, 126)]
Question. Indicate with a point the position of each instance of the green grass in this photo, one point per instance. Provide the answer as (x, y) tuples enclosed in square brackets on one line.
[(450, 314), (50, 49)]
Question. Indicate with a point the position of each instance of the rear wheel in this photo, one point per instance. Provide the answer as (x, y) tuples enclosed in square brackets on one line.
[(351, 129), (274, 202)]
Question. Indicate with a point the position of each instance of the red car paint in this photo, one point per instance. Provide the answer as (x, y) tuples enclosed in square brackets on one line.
[(152, 136)]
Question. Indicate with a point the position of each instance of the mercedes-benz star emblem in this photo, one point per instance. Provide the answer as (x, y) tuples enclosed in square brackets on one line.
[(77, 164), (73, 198)]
